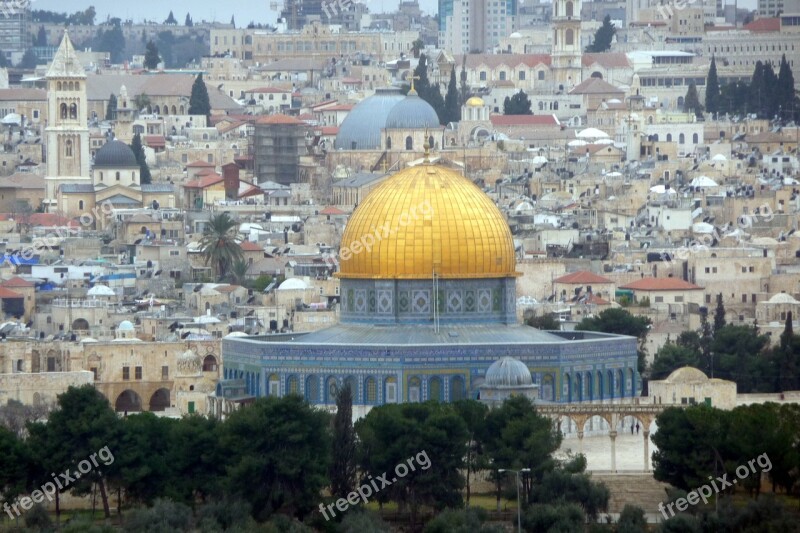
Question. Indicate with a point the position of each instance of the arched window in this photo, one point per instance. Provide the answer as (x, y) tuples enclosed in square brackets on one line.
[(695, 138), (457, 389), (68, 148), (58, 86), (181, 109), (388, 143), (435, 389), (555, 32), (669, 137), (570, 37), (312, 389), (101, 176), (409, 143), (681, 139), (63, 110), (174, 110), (133, 176), (73, 111), (540, 75), (430, 142), (118, 176), (80, 205), (77, 86), (371, 391), (292, 385), (655, 137), (157, 110), (570, 9)]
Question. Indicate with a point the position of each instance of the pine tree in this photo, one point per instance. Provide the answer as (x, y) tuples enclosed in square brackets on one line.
[(41, 38), (788, 332), (451, 105), (188, 22), (519, 104), (171, 20), (151, 57), (719, 314), (111, 108), (138, 150), (712, 88), (430, 93), (343, 467), (603, 37), (691, 103), (199, 103)]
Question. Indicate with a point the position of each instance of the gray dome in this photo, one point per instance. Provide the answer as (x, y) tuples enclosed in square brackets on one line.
[(361, 129), (412, 113), (508, 372), (115, 154)]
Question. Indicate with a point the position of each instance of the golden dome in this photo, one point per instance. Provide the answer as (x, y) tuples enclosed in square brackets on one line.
[(475, 102), (427, 217)]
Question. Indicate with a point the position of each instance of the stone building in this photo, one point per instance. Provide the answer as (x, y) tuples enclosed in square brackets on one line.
[(689, 386)]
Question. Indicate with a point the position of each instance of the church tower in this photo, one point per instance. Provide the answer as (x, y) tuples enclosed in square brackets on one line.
[(67, 132), (566, 55), (123, 130)]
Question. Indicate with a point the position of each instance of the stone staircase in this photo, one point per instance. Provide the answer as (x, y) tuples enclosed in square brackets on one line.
[(639, 489)]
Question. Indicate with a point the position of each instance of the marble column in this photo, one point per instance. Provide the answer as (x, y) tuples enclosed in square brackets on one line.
[(613, 435), (580, 441), (646, 434)]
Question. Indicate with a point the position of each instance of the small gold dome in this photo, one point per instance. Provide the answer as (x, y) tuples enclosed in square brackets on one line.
[(475, 102), (423, 218)]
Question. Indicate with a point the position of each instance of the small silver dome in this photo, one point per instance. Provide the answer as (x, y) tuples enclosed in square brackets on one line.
[(412, 112), (361, 129), (508, 372), (115, 154)]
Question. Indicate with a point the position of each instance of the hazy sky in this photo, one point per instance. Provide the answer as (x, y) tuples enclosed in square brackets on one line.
[(214, 10)]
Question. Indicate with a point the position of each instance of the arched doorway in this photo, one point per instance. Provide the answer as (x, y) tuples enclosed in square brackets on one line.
[(435, 389), (312, 389), (331, 389), (210, 363), (80, 324), (414, 388), (458, 390), (159, 401), (569, 387), (128, 402)]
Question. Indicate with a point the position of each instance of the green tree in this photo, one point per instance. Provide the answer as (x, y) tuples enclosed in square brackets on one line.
[(519, 104), (220, 249), (603, 37), (470, 520), (14, 459), (111, 108), (142, 102), (691, 103), (632, 520), (41, 37), (195, 460), (620, 322), (363, 521), (464, 87), (171, 20), (786, 97), (451, 104), (672, 357), (416, 47), (238, 272), (112, 40), (680, 523), (739, 356), (199, 103), (545, 322), (555, 518), (151, 57), (712, 88), (473, 413), (432, 436), (343, 467), (83, 425), (138, 150), (428, 92), (188, 22), (163, 516), (570, 483), (29, 60), (719, 314), (284, 469)]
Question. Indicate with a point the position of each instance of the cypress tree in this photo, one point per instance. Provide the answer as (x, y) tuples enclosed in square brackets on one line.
[(719, 314), (111, 109), (691, 102), (138, 150), (199, 103), (451, 107), (712, 88), (343, 466)]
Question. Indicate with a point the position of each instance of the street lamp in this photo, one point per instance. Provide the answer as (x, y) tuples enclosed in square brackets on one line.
[(519, 507)]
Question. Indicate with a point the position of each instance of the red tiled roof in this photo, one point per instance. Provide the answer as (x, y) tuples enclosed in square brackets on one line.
[(764, 25), (524, 120), (8, 293), (330, 210), (203, 182), (16, 281), (509, 60), (155, 141), (329, 130), (596, 300), (606, 59), (661, 284), (278, 119), (50, 220), (582, 277), (596, 86), (340, 107), (248, 246), (197, 164)]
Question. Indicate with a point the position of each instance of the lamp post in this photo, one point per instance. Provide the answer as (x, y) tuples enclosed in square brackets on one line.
[(519, 507)]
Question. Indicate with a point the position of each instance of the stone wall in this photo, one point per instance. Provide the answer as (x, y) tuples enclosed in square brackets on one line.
[(34, 389)]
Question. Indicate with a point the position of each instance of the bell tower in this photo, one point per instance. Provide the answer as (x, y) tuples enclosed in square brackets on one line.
[(123, 130), (566, 54), (67, 132)]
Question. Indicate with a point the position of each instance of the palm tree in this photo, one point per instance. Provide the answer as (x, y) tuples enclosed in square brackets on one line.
[(218, 244), (238, 271)]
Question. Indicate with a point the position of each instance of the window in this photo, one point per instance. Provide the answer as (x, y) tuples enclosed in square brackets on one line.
[(751, 269), (138, 372), (678, 299), (68, 148), (713, 270), (483, 75), (502, 75), (409, 143), (708, 298), (94, 372), (521, 75), (118, 176), (744, 298), (540, 75), (126, 373), (659, 299), (164, 373), (570, 37)]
